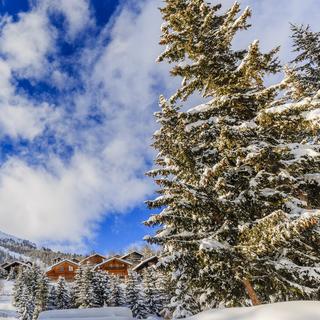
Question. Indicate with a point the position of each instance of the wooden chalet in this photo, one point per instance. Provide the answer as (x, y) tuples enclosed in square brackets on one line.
[(94, 259), (64, 268), (134, 257), (115, 266), (15, 266), (147, 263)]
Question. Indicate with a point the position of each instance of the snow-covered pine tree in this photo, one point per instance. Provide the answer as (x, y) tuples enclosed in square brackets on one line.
[(134, 297), (165, 290), (101, 287), (234, 212), (26, 305), (307, 63), (87, 296), (191, 28), (152, 298), (62, 294), (193, 31), (77, 287), (41, 295), (25, 292), (117, 293), (52, 298), (18, 288)]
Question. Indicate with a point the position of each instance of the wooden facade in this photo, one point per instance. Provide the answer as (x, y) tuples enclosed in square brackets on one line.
[(65, 268), (115, 266), (93, 259)]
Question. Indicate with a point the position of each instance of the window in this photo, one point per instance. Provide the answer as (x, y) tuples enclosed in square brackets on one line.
[(61, 269), (70, 268)]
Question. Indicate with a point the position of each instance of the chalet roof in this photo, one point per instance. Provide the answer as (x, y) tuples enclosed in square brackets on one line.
[(93, 255), (16, 262), (110, 259), (144, 263), (128, 254), (62, 261)]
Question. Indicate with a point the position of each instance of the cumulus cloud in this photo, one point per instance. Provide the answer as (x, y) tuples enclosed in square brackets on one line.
[(106, 122)]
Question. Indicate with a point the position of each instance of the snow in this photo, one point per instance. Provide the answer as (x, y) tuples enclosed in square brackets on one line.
[(116, 313), (296, 310), (7, 310)]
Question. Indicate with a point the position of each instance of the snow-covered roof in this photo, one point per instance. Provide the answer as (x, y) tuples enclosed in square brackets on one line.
[(113, 258), (18, 262), (93, 255), (144, 262), (62, 261), (128, 254)]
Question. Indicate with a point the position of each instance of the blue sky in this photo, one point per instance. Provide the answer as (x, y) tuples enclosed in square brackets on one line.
[(79, 85)]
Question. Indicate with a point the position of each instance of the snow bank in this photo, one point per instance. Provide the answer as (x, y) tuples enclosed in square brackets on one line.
[(116, 313), (297, 310)]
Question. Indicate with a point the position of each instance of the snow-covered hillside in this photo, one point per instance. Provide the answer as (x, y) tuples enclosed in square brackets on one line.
[(5, 236), (298, 310)]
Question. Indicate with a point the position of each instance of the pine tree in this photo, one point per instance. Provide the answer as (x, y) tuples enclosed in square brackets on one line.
[(86, 290), (52, 297), (77, 287), (151, 295), (117, 294), (101, 287), (41, 295), (306, 64), (165, 289), (196, 35), (135, 298), (62, 294), (238, 221)]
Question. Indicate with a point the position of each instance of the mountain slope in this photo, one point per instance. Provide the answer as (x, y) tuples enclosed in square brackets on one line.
[(14, 248)]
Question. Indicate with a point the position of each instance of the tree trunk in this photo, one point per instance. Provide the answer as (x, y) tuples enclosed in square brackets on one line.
[(251, 293)]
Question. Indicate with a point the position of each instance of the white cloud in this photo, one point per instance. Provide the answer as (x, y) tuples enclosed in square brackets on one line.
[(77, 13), (23, 120), (26, 42)]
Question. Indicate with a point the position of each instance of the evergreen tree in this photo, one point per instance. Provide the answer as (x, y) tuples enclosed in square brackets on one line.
[(117, 294), (165, 290), (62, 294), (239, 221), (152, 300), (41, 295), (101, 287), (52, 297), (307, 63), (77, 287), (135, 298)]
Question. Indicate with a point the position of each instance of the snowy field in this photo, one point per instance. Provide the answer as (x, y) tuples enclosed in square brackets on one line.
[(299, 310), (7, 310), (116, 313)]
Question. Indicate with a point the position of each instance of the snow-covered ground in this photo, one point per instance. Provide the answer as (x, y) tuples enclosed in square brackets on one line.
[(7, 310), (110, 313), (299, 310)]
